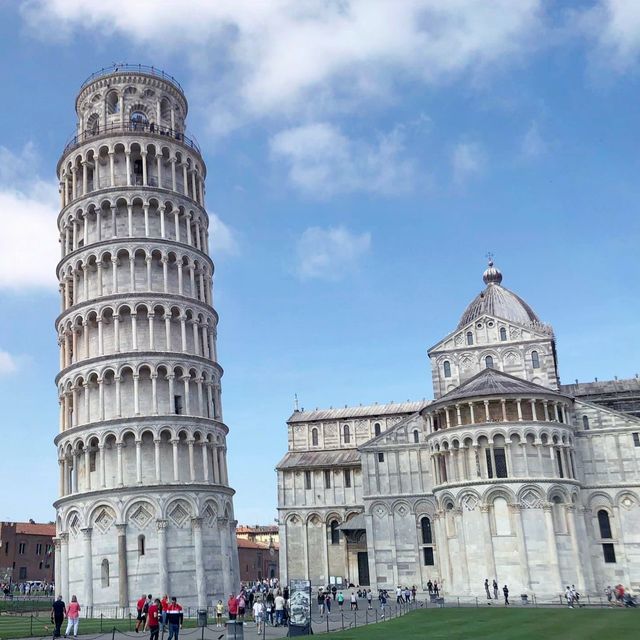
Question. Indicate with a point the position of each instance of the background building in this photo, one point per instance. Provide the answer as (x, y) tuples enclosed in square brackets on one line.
[(26, 551), (145, 503), (258, 552), (506, 474)]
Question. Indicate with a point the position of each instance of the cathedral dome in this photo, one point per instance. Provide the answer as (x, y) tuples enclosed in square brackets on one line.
[(498, 301)]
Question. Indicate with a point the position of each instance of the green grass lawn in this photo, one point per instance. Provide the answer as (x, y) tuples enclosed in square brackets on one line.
[(504, 624), (40, 626)]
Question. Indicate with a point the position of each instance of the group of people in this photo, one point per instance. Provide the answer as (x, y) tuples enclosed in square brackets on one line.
[(31, 588), (155, 615), (60, 611), (620, 596), (406, 595), (328, 596), (265, 600)]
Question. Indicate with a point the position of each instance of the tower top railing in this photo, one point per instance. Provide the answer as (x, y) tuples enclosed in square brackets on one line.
[(133, 127), (140, 68)]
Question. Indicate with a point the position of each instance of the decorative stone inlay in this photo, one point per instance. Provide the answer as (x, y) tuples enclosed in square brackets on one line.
[(141, 517), (470, 502), (104, 520), (178, 515)]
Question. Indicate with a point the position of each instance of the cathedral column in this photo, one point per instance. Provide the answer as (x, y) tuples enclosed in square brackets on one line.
[(174, 444), (205, 461), (103, 474), (458, 415), (63, 586), (154, 392), (522, 546), (192, 466), (156, 452), (120, 478), (489, 557), (519, 405), (163, 573), (533, 410), (88, 572), (127, 156), (162, 223), (487, 414), (503, 406), (123, 574), (201, 581), (139, 461), (87, 469), (554, 566), (575, 546)]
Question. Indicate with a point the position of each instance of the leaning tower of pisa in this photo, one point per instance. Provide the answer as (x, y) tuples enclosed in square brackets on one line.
[(144, 499)]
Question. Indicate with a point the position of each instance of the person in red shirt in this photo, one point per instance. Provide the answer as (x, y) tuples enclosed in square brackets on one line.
[(164, 605), (153, 619), (232, 605), (140, 609)]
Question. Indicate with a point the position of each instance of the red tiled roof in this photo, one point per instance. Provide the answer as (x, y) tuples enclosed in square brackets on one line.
[(249, 544), (36, 529)]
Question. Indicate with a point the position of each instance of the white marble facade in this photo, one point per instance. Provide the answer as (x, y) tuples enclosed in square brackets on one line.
[(145, 503), (503, 475)]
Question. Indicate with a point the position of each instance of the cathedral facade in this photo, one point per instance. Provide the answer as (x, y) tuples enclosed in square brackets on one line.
[(506, 474)]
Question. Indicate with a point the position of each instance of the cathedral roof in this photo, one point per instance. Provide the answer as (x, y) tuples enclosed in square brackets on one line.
[(491, 382), (499, 302), (323, 458), (367, 411)]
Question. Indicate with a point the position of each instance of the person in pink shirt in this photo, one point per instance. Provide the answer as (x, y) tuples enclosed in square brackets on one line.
[(73, 615)]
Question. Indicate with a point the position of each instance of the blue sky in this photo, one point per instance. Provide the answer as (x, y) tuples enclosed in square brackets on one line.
[(363, 157)]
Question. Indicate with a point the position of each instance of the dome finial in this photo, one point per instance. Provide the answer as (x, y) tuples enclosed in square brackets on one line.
[(492, 275)]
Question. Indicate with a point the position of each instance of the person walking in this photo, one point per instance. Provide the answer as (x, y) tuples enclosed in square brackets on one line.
[(232, 607), (321, 597), (568, 594), (430, 586), (327, 603), (140, 609), (279, 602), (436, 589), (340, 601), (258, 615), (383, 603), (505, 590), (495, 588), (576, 595), (58, 612), (153, 619), (398, 594), (609, 593), (486, 588), (369, 600), (73, 617), (175, 618), (354, 601)]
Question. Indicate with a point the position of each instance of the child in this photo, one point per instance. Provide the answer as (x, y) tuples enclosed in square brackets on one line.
[(219, 612)]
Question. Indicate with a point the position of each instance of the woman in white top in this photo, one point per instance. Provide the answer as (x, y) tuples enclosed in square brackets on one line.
[(258, 614)]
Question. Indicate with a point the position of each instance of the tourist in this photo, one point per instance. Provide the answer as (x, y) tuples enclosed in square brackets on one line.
[(609, 593), (398, 594), (486, 588), (505, 590), (164, 605), (576, 595), (383, 602), (321, 597), (334, 590), (340, 600), (242, 603), (175, 618), (258, 615), (495, 589), (568, 594), (140, 608), (327, 603), (407, 595), (219, 612), (430, 586), (153, 619), (369, 600), (436, 589), (354, 601), (414, 591), (73, 617), (58, 612), (232, 607), (279, 604)]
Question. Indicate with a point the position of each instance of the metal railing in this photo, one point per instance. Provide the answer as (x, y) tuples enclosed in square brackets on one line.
[(140, 68), (130, 127)]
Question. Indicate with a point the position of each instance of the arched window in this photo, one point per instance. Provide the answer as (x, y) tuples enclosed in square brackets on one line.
[(104, 573), (113, 103), (585, 423), (376, 429), (93, 124), (446, 365), (335, 533), (141, 545), (503, 334), (425, 528), (469, 337), (314, 437), (139, 119), (488, 362), (346, 434), (416, 436), (535, 360), (604, 524)]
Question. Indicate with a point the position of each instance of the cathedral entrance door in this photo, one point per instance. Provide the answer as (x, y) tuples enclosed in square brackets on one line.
[(363, 569)]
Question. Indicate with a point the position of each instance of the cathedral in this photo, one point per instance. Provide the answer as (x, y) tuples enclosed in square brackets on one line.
[(506, 474)]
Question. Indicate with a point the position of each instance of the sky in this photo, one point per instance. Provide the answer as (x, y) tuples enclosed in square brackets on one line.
[(363, 158)]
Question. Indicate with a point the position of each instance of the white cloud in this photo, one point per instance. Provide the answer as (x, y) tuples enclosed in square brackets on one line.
[(253, 59), (28, 244), (533, 144), (615, 27), (330, 254), (322, 161), (8, 363), (467, 159), (222, 238)]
